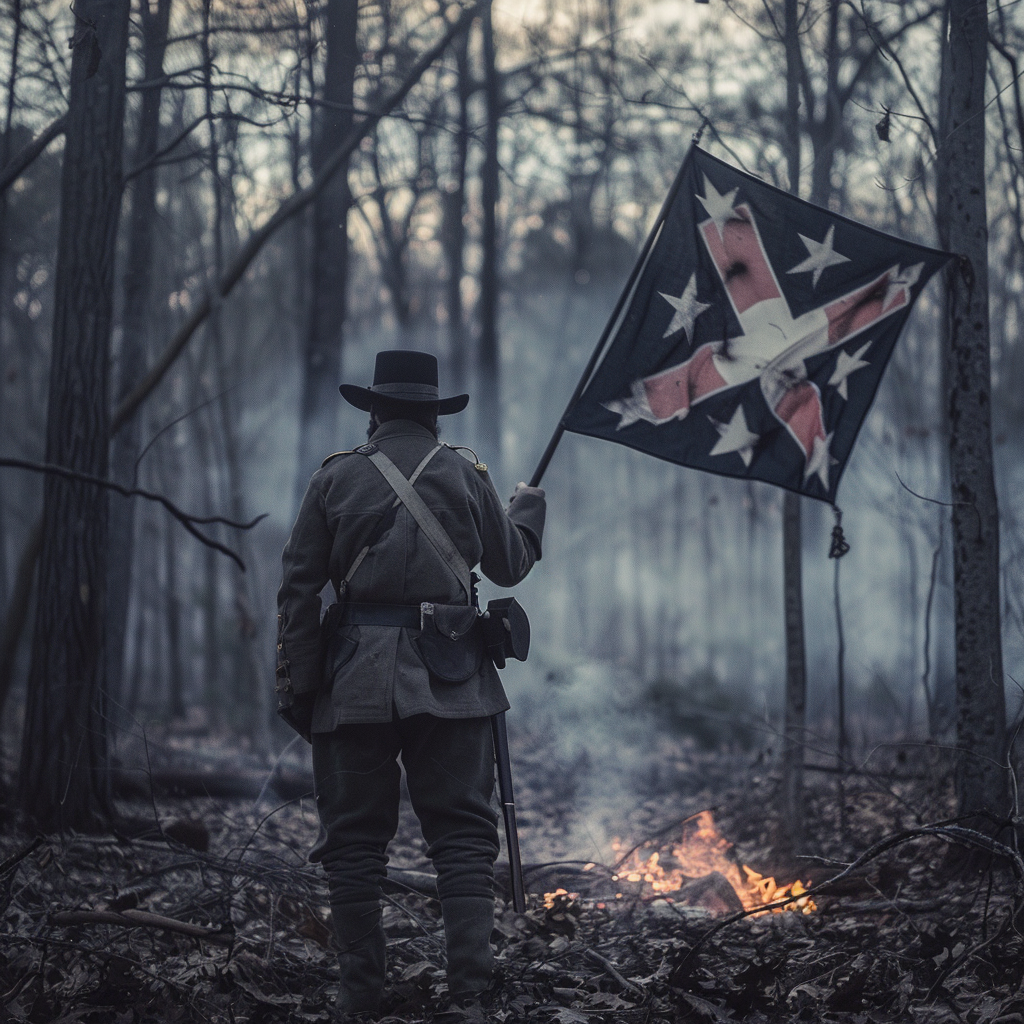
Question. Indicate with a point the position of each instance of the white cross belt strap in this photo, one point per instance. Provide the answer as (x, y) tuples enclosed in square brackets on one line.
[(339, 592), (427, 521)]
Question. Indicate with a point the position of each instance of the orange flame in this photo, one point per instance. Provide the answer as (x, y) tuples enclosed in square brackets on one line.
[(701, 850)]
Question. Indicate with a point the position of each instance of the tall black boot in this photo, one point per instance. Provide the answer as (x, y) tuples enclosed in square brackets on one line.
[(468, 923), (362, 956)]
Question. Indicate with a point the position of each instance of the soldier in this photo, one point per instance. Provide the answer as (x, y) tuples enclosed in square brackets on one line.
[(370, 695)]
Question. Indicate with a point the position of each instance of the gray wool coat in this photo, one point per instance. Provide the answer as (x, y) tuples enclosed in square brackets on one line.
[(345, 501)]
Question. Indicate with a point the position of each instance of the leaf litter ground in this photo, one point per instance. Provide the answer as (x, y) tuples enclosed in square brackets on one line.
[(97, 928)]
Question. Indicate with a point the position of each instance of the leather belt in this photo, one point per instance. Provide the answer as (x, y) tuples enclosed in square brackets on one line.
[(361, 614)]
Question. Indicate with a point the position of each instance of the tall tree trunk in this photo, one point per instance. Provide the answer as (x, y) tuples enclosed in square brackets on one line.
[(63, 782), (321, 361), (489, 407), (453, 229), (5, 152), (132, 360), (795, 703), (981, 778), (172, 609)]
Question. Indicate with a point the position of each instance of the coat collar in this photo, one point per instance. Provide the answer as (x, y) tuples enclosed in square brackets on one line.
[(401, 428)]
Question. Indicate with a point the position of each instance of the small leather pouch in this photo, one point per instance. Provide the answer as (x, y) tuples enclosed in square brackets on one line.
[(506, 631), (450, 642)]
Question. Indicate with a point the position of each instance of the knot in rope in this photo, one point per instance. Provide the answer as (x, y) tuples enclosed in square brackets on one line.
[(839, 545)]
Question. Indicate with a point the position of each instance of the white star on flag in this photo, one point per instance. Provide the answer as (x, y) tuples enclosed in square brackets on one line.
[(735, 436), (687, 308), (822, 256), (719, 207), (636, 407), (820, 461), (845, 365), (902, 279)]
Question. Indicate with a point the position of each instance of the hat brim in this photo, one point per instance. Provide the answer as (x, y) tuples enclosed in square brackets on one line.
[(362, 398)]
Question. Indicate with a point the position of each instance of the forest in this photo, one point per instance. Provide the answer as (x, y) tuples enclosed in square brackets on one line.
[(754, 781)]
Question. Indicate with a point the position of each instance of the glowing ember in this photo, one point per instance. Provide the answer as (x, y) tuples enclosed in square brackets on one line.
[(700, 851), (559, 897)]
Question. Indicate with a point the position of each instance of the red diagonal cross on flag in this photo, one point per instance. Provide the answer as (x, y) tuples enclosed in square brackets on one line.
[(772, 344)]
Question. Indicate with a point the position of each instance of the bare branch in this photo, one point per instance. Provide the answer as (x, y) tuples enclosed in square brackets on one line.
[(291, 206), (190, 522), (20, 162)]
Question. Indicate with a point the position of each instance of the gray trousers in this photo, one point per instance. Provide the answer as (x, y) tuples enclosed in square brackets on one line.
[(449, 764)]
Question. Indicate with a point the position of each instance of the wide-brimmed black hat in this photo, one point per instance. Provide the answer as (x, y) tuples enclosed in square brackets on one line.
[(404, 376)]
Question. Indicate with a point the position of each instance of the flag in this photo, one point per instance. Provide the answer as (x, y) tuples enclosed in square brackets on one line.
[(756, 335)]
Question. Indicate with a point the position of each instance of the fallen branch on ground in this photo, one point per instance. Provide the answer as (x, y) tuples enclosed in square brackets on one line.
[(135, 918)]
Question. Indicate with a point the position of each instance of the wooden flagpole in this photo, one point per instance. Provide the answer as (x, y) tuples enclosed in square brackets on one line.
[(641, 261)]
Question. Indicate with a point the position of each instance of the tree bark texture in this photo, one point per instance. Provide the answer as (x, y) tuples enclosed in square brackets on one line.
[(796, 671), (794, 708), (489, 410), (63, 783), (132, 358), (321, 362), (453, 230), (5, 148), (981, 778)]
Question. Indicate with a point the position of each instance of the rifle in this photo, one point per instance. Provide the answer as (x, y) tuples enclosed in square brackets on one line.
[(508, 808)]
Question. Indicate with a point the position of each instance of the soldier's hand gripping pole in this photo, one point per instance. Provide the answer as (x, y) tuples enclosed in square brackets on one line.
[(508, 808)]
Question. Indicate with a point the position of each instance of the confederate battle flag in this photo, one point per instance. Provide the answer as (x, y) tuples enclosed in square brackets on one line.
[(756, 335)]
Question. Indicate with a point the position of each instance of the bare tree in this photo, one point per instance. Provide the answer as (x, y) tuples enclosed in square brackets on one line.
[(62, 782), (795, 705), (321, 361), (453, 229), (135, 333), (981, 777), (5, 152), (489, 406)]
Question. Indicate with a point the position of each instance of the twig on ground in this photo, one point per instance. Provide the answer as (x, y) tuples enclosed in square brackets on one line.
[(629, 986), (433, 939), (133, 918), (18, 857)]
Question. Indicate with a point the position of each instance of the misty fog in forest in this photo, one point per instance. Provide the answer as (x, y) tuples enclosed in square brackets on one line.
[(658, 602)]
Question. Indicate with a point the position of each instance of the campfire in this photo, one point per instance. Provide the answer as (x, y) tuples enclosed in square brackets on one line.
[(693, 868)]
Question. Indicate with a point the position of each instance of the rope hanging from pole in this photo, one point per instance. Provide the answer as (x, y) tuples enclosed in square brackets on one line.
[(839, 545)]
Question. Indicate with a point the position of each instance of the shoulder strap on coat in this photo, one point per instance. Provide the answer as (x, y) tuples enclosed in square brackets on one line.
[(427, 521), (375, 536)]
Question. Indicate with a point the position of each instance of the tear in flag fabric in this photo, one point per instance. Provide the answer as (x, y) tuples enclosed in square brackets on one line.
[(756, 335)]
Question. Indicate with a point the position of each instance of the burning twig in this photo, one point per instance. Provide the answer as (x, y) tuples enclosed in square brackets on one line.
[(657, 835)]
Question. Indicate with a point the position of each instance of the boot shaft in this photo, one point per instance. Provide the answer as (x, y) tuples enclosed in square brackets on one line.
[(362, 957), (468, 923)]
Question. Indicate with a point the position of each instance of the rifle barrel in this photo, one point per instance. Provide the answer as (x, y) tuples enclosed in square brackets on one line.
[(508, 808)]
